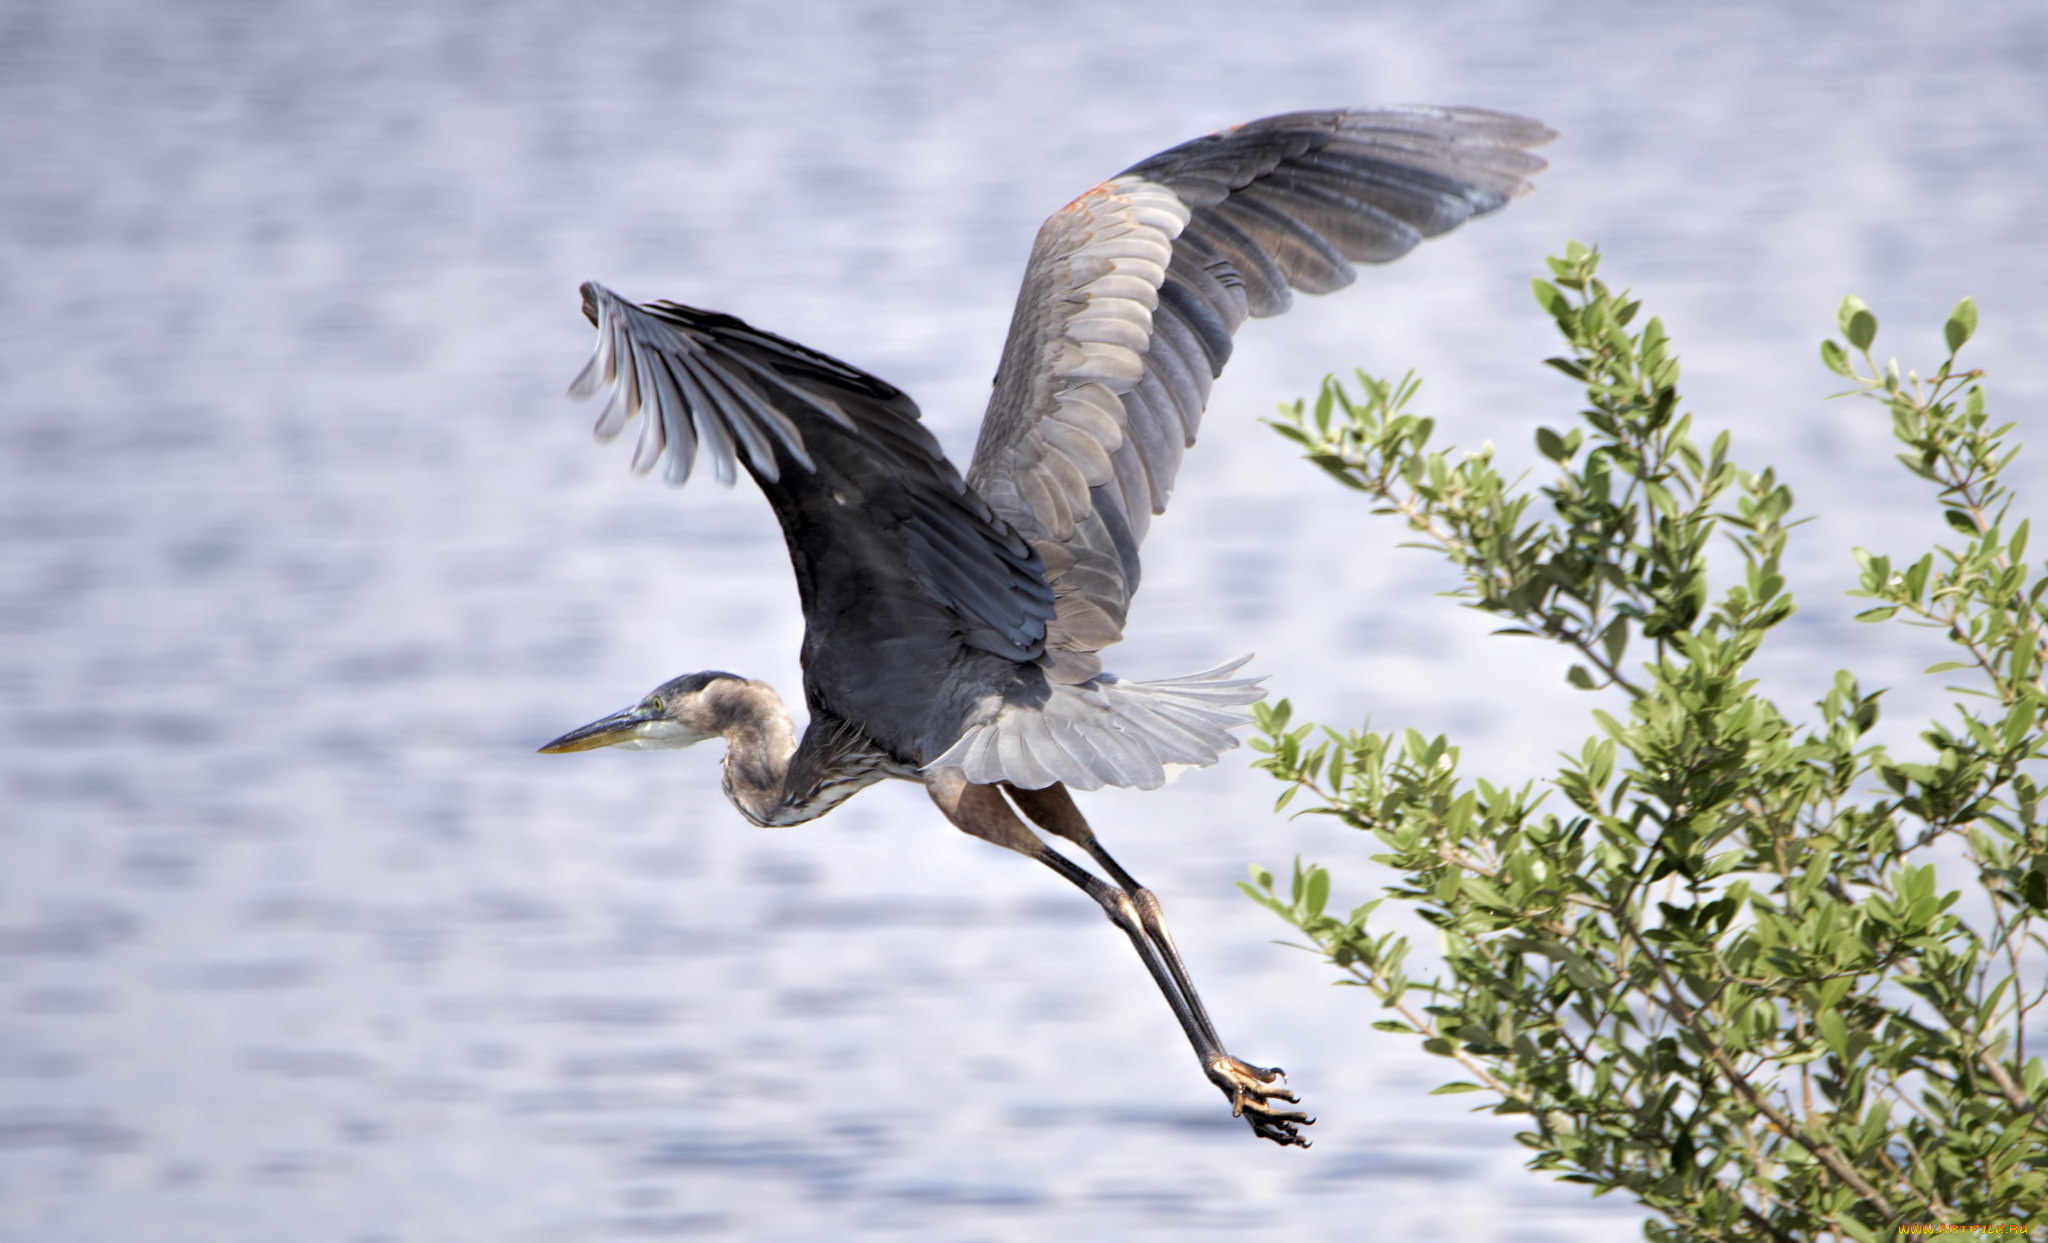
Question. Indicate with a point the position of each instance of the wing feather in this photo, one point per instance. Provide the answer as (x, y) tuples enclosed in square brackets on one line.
[(1135, 289), (1176, 367), (735, 415), (1306, 259), (1109, 732), (1266, 290), (1134, 493), (901, 567), (1127, 312), (1161, 440), (1204, 326), (674, 415), (1202, 271), (708, 418)]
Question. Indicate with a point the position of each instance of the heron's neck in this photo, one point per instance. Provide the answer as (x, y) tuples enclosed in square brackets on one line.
[(758, 743)]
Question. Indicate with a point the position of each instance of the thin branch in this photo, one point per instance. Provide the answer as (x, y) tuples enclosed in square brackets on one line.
[(2013, 1095), (1824, 1152)]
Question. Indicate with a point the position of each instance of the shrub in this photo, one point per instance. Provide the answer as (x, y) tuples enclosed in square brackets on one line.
[(1753, 969)]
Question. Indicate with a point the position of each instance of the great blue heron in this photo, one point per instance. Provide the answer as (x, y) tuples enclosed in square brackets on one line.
[(952, 627)]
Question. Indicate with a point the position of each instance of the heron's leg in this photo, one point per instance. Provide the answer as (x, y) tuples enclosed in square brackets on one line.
[(981, 811), (1053, 810)]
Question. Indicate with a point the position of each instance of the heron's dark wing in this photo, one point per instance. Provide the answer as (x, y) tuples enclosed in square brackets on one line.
[(1134, 291), (899, 564)]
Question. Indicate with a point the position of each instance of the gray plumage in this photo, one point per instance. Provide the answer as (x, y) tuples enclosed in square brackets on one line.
[(953, 627), (960, 622)]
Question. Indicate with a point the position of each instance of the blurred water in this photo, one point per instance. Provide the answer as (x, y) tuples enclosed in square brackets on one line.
[(304, 553)]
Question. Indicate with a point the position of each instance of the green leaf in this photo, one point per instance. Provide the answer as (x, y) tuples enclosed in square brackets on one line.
[(1857, 323), (1270, 903), (1660, 498), (1317, 891), (1455, 1088), (1836, 359), (1962, 324), (1883, 613)]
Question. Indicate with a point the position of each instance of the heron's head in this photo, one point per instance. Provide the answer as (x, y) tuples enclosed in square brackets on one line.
[(678, 713)]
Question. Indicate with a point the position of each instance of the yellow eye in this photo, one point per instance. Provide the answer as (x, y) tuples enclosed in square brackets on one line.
[(654, 703)]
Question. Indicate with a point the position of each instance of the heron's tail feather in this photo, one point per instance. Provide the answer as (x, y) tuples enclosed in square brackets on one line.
[(1109, 732)]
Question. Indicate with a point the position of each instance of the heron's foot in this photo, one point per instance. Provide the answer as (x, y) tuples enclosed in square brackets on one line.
[(1250, 1089)]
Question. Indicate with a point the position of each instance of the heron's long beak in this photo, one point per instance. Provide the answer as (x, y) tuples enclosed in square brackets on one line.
[(620, 727)]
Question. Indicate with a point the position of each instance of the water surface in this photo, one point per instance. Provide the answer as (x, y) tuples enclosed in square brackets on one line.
[(305, 553)]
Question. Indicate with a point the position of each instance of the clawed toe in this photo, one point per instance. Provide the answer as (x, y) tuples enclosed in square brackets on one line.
[(1249, 1089)]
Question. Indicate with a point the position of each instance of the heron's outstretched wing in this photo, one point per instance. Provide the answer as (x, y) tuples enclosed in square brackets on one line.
[(1127, 311), (1135, 288), (899, 564)]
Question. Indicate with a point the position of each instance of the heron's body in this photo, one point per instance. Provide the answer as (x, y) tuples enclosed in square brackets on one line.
[(953, 626)]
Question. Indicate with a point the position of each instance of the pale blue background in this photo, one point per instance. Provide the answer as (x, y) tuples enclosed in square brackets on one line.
[(304, 553)]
